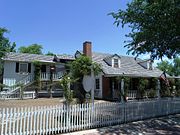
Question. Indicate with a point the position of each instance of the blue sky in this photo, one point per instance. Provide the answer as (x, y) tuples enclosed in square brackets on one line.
[(61, 26)]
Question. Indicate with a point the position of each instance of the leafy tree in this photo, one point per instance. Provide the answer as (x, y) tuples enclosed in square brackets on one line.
[(172, 69), (155, 27), (165, 66), (5, 47), (33, 49), (176, 66), (50, 53), (80, 67), (5, 44), (65, 83)]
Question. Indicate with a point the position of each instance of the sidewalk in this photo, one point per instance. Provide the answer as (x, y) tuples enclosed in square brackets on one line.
[(169, 125)]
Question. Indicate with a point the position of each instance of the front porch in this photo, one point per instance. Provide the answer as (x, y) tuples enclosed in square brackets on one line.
[(48, 76), (27, 78), (129, 88)]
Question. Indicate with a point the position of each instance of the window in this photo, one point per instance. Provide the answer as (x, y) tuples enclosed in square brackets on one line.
[(97, 84), (23, 67), (116, 63)]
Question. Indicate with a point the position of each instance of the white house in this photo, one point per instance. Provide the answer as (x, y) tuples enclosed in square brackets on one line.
[(113, 66), (19, 68)]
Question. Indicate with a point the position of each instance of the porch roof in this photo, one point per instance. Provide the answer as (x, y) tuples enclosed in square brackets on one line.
[(26, 57), (128, 67)]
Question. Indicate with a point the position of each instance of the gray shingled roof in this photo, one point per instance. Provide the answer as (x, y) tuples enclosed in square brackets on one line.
[(129, 67), (25, 57)]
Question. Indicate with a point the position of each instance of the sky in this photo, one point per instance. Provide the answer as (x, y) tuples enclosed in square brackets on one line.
[(61, 26)]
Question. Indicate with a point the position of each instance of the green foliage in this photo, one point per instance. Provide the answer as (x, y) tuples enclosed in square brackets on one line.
[(154, 83), (50, 53), (33, 49), (65, 83), (172, 69), (142, 85), (21, 91), (37, 77), (5, 47), (126, 85), (2, 85), (5, 44), (176, 66), (80, 67), (165, 66), (155, 27), (165, 90), (177, 87), (151, 93)]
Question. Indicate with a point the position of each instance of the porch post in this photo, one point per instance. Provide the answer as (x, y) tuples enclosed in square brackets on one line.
[(122, 90), (113, 89), (158, 88)]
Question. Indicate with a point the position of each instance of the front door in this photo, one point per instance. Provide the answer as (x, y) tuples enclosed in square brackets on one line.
[(107, 94)]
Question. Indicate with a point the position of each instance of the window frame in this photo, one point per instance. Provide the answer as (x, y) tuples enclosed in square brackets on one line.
[(116, 63), (97, 84), (20, 67)]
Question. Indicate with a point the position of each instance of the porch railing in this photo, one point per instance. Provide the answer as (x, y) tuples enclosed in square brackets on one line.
[(55, 76), (132, 94), (26, 95), (12, 85)]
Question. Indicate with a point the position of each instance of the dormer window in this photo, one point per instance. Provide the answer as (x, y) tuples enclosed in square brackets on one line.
[(113, 60), (116, 63), (148, 64)]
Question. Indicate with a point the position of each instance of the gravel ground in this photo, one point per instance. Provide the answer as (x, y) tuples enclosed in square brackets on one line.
[(169, 125)]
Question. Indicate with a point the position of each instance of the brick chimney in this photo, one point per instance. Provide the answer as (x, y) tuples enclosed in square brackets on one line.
[(87, 48)]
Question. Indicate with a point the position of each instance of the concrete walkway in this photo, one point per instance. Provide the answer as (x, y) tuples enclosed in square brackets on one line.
[(169, 125)]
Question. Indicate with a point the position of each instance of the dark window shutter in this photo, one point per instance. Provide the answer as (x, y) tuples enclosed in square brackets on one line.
[(17, 67), (29, 67)]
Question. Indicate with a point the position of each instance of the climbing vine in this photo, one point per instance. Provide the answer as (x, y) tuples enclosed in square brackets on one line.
[(37, 76)]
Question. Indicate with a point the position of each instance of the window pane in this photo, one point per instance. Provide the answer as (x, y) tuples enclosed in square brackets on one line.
[(23, 67), (97, 84), (116, 64)]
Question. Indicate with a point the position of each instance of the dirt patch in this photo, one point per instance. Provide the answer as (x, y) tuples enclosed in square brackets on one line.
[(30, 102), (34, 102)]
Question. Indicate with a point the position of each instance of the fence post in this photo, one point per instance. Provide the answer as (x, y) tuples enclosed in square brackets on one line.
[(2, 124)]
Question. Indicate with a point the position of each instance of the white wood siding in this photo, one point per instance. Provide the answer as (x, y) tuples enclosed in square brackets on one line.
[(10, 73)]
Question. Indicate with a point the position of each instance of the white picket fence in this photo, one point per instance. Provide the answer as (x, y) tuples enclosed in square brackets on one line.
[(59, 119)]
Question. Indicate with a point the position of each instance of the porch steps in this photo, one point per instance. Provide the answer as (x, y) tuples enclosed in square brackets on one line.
[(27, 81)]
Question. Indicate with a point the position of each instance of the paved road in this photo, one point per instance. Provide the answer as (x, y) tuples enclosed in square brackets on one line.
[(169, 125)]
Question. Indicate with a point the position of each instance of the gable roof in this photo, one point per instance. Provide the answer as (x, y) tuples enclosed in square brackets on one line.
[(129, 67), (111, 56), (26, 57)]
